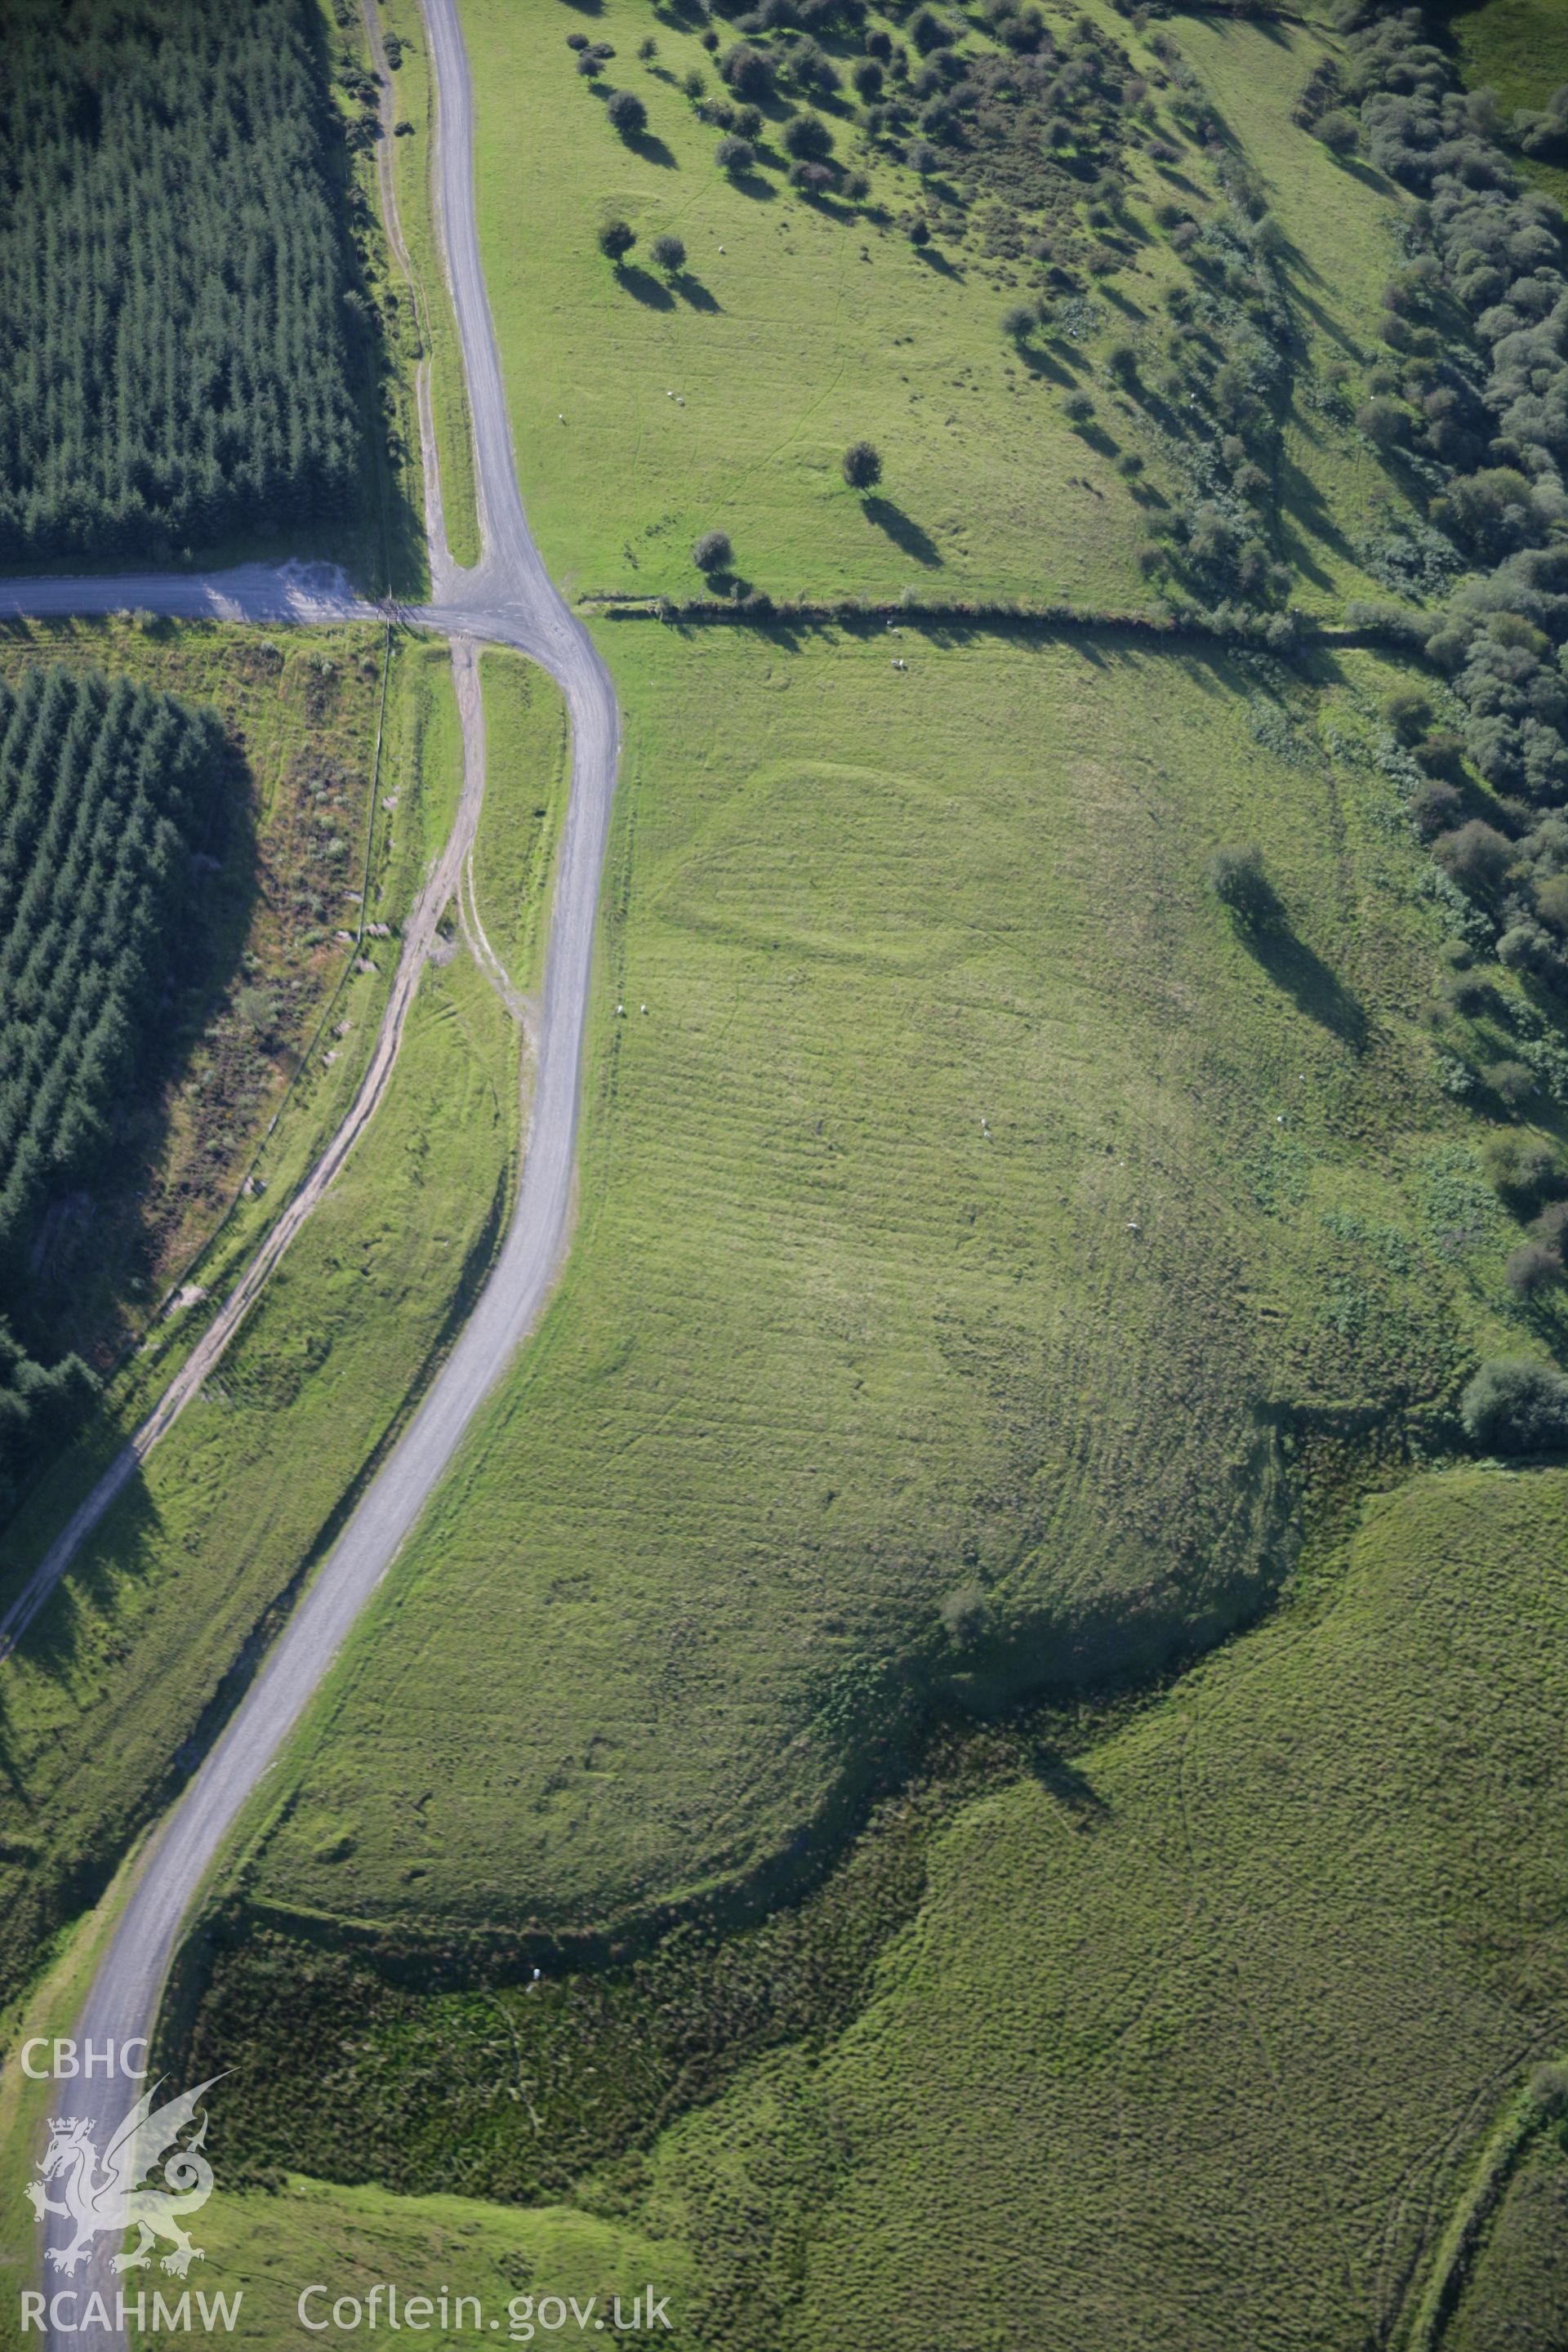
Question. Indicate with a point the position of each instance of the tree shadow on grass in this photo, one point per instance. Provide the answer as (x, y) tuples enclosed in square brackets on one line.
[(1067, 1785), (1369, 176), (691, 289), (1044, 364), (1305, 518), (902, 530), (645, 287), (936, 259), (1306, 978), (652, 149), (63, 1630), (1178, 179)]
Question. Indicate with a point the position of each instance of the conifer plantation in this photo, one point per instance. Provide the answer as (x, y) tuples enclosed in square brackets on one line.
[(173, 279), (105, 790)]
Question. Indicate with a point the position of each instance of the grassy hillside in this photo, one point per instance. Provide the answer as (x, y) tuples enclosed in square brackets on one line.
[(997, 1267), (973, 1226), (651, 406), (1253, 1990), (1128, 217), (117, 1684), (1191, 2029), (510, 2263), (727, 401)]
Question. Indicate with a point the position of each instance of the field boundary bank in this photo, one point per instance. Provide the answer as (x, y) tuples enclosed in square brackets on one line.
[(999, 619), (1541, 2101)]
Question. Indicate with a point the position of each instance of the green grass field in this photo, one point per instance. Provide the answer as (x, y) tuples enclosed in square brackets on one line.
[(728, 401), (1517, 2290), (510, 2263), (186, 1574), (830, 1350), (527, 751)]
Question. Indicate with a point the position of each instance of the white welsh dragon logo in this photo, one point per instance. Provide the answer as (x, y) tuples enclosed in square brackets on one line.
[(111, 2197)]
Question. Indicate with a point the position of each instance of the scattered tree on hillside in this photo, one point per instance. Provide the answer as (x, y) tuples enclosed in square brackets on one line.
[(928, 31), (1433, 806), (862, 466), (670, 252), (1532, 1268), (712, 551), (808, 138), (1517, 1406), (1407, 711), (1525, 1169), (1513, 1082), (1384, 422), (735, 156), (966, 1615), (1544, 136), (628, 113), (616, 238), (749, 73), (1478, 855)]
